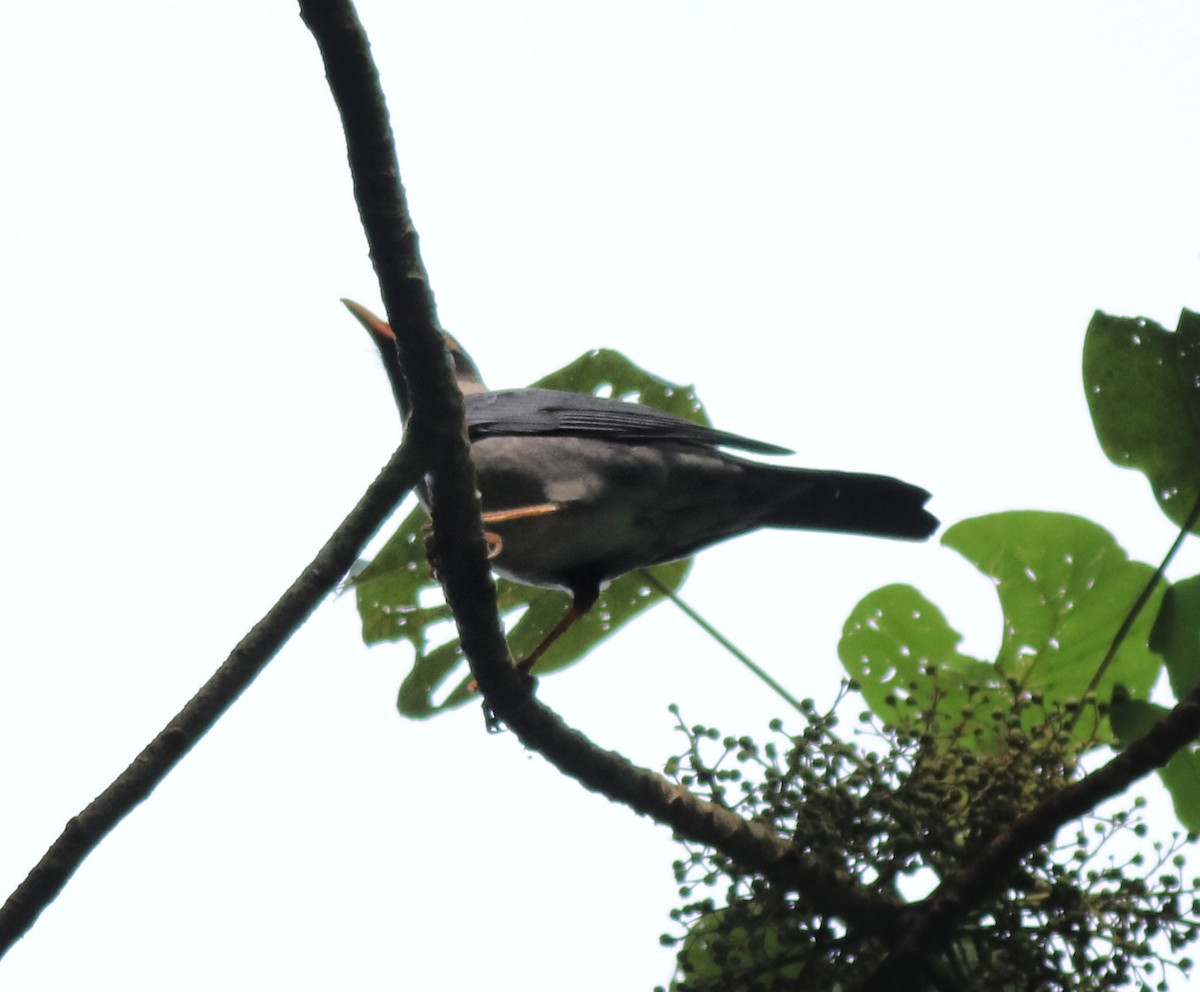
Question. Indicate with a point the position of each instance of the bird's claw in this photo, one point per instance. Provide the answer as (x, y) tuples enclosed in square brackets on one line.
[(492, 722)]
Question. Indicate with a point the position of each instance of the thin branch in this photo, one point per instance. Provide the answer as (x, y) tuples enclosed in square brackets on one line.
[(84, 831), (436, 426), (462, 562)]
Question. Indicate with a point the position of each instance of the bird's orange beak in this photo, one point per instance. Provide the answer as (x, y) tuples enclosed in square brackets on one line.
[(376, 327)]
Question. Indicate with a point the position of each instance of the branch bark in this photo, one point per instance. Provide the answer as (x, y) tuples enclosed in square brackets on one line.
[(436, 411), (84, 831), (932, 924), (436, 447)]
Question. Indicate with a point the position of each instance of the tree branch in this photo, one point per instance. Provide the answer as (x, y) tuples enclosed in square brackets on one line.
[(435, 414), (462, 563), (84, 831), (933, 923), (436, 410)]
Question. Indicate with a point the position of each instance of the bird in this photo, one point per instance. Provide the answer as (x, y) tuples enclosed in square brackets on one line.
[(578, 490)]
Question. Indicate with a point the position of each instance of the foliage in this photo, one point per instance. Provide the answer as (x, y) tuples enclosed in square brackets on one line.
[(955, 748), (961, 747), (1067, 590), (1176, 636), (1064, 586), (893, 814), (1142, 384)]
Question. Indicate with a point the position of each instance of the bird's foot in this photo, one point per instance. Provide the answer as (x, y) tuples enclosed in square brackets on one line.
[(430, 549), (527, 681), (495, 543), (493, 723)]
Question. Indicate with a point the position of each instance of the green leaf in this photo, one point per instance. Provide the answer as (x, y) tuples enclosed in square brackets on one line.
[(741, 946), (1131, 719), (399, 600), (1176, 635), (904, 655), (696, 963), (1143, 387), (1065, 587)]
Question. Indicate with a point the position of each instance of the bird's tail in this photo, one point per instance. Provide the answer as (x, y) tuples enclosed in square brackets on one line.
[(854, 504)]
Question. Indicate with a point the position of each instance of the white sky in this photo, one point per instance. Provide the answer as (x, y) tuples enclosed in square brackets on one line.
[(874, 232)]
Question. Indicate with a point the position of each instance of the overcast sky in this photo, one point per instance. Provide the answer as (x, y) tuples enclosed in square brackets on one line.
[(873, 232)]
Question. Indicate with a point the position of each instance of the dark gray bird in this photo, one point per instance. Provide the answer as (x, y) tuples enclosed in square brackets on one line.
[(578, 490)]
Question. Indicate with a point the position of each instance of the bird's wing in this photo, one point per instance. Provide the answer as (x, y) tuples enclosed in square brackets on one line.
[(551, 412)]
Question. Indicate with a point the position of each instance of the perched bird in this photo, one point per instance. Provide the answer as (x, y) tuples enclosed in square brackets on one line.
[(578, 489)]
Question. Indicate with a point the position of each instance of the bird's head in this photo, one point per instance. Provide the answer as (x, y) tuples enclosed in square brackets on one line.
[(466, 373)]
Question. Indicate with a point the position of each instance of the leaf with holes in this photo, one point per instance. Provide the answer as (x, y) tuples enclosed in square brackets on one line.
[(399, 600), (1143, 388), (904, 656), (1065, 587)]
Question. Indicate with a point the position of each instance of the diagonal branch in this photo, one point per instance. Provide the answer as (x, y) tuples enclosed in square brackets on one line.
[(437, 416), (434, 405), (84, 831), (436, 411)]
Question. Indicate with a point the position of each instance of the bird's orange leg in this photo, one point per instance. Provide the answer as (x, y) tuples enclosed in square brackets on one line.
[(572, 616), (495, 543), (576, 612), (578, 608), (495, 546), (520, 513)]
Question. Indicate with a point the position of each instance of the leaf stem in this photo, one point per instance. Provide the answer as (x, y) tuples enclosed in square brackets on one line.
[(1142, 600), (724, 641)]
